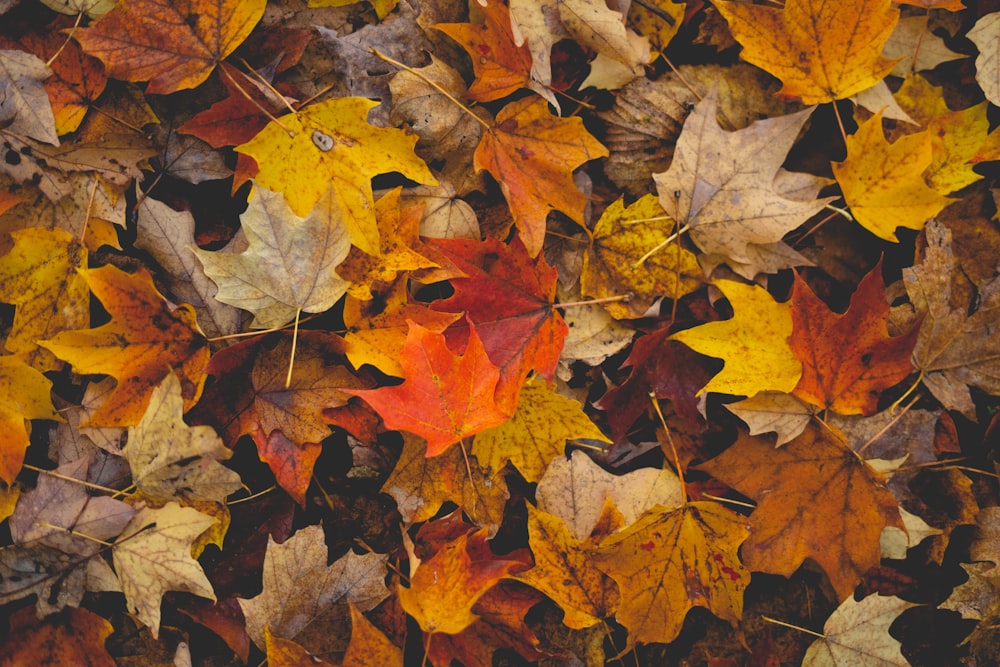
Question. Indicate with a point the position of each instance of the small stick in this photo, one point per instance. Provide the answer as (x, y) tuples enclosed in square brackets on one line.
[(433, 84)]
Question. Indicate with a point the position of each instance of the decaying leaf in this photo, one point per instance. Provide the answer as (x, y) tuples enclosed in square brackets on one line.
[(299, 586), (858, 633), (153, 556)]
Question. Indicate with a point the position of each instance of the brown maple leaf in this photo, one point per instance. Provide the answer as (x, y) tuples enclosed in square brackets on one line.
[(815, 498)]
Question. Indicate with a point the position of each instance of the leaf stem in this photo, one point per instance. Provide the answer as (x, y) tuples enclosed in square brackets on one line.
[(74, 533), (90, 207), (260, 107), (673, 447), (729, 501), (69, 36), (67, 478), (588, 302), (639, 262), (295, 341), (793, 627), (433, 84), (840, 123)]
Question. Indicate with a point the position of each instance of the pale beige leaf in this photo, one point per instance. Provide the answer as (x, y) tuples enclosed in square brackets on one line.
[(768, 411), (916, 46), (173, 461), (575, 489), (289, 264), (299, 586), (986, 36), (857, 635), (24, 104), (721, 183), (153, 556)]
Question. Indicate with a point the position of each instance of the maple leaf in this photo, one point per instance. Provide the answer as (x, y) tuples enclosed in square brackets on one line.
[(500, 623), (815, 498), (76, 82), (618, 261), (47, 525), (444, 396), (75, 636), (532, 154), (146, 338), (288, 265), (236, 119), (286, 653), (848, 359), (509, 298), (444, 587), (287, 423), (768, 411), (299, 586), (957, 137), (621, 53), (24, 104), (753, 344), (902, 47), (658, 23), (858, 633), (501, 67), (153, 556), (666, 368), (329, 148), (821, 51), (39, 276), (168, 236), (399, 230), (984, 36), (376, 330), (722, 184), (955, 349), (671, 560), (421, 485), (170, 45), (575, 489), (170, 460), (565, 570), (883, 183), (24, 395), (536, 433), (369, 647)]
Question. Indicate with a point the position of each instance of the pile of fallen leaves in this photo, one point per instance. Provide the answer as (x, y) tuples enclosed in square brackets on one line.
[(524, 332)]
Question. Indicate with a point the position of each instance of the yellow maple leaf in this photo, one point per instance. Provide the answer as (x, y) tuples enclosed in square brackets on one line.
[(958, 138), (822, 51), (24, 395), (622, 237), (399, 238), (883, 183), (300, 155), (672, 560), (565, 571), (39, 275), (753, 343), (537, 433)]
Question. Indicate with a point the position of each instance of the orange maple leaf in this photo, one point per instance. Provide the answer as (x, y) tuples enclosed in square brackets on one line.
[(822, 51), (444, 396), (532, 155), (145, 339), (816, 498), (501, 67), (848, 359), (172, 45)]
